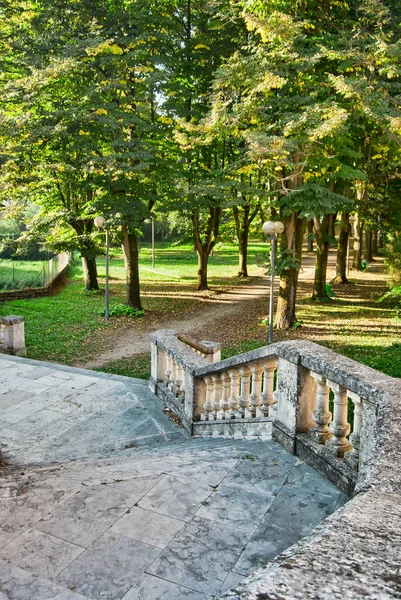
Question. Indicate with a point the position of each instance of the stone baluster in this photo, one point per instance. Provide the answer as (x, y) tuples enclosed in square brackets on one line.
[(224, 405), (178, 379), (255, 398), (234, 392), (208, 406), (243, 399), (339, 426), (321, 415), (267, 394), (167, 372), (171, 385), (218, 385), (352, 457)]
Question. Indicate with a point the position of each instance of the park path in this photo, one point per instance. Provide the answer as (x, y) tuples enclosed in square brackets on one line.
[(217, 310)]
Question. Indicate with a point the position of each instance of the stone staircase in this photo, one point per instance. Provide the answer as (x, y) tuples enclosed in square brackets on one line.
[(105, 496)]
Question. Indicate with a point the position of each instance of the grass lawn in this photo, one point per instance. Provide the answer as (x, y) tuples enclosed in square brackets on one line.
[(19, 274), (68, 328)]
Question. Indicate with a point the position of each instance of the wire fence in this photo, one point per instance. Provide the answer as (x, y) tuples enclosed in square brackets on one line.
[(21, 275)]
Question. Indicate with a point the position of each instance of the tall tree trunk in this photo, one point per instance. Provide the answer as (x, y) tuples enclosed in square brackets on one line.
[(242, 230), (204, 243), (292, 240), (358, 236), (131, 258), (90, 273), (322, 228), (83, 229), (342, 250), (375, 245), (368, 256), (242, 224), (310, 235), (331, 228)]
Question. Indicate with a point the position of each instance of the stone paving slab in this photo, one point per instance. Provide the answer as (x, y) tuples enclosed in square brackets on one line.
[(167, 518)]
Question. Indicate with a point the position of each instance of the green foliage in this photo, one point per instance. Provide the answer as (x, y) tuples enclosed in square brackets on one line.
[(122, 310), (284, 260)]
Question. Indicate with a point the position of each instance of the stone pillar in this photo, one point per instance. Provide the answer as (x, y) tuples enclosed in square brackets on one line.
[(295, 401), (14, 335), (158, 366)]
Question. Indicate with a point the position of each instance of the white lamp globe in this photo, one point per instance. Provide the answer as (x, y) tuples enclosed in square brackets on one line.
[(279, 227), (268, 228), (99, 221)]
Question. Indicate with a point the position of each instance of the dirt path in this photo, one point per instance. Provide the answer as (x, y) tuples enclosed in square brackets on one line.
[(216, 319), (129, 342)]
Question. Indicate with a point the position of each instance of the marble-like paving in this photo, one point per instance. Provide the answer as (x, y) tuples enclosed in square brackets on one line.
[(105, 498)]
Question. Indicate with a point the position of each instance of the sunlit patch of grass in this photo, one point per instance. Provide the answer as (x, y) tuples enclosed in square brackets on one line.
[(138, 367)]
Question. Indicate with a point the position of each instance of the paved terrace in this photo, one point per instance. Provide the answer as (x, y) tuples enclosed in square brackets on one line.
[(104, 497)]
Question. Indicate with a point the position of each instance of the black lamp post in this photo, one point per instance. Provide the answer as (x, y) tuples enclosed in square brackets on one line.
[(272, 229)]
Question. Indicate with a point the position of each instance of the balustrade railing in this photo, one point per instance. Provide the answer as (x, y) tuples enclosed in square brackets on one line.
[(318, 404)]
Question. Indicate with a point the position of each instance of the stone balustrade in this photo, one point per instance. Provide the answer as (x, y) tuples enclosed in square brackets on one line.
[(355, 553), (12, 336), (316, 403)]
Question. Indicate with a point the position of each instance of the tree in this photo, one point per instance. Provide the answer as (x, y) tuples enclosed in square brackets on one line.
[(299, 92), (203, 34), (88, 134)]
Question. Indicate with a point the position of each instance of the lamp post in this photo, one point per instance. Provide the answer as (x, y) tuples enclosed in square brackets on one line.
[(99, 222), (272, 229), (153, 240)]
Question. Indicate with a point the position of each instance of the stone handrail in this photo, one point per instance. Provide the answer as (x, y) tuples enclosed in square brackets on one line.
[(281, 390), (12, 335)]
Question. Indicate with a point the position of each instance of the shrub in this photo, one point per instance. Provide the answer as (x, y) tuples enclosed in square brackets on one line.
[(122, 310)]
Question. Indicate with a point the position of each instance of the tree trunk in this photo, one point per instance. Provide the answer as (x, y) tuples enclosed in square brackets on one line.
[(83, 229), (322, 228), (342, 250), (90, 273), (310, 235), (242, 230), (358, 233), (242, 224), (368, 256), (243, 254), (203, 257), (291, 239), (131, 258), (331, 228), (205, 243), (375, 241)]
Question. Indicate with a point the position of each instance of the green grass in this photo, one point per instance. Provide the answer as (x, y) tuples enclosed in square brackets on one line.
[(57, 327), (20, 274), (178, 264), (138, 368)]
